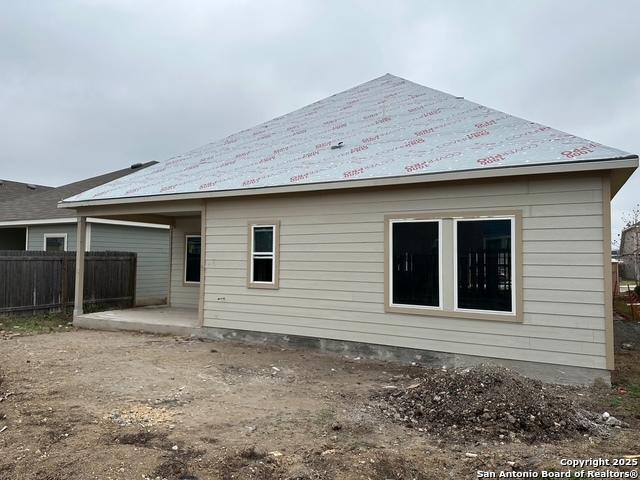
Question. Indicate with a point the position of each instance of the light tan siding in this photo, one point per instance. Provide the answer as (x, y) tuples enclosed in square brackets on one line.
[(332, 264), (181, 294)]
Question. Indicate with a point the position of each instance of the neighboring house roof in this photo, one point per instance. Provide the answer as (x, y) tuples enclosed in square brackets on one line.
[(11, 190), (43, 205), (387, 128)]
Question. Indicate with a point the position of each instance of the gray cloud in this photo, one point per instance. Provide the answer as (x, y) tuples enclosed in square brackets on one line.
[(92, 86)]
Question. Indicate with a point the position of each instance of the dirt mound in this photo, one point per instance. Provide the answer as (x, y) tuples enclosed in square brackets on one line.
[(486, 403), (177, 465), (252, 464)]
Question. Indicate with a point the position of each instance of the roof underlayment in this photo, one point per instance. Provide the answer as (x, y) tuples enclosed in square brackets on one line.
[(388, 127)]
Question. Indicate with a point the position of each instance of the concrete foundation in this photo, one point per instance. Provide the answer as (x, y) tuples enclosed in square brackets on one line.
[(546, 372), (183, 322)]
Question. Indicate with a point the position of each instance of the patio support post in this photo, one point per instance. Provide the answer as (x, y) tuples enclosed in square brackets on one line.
[(80, 249)]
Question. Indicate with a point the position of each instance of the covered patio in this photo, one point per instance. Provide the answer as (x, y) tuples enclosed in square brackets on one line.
[(183, 312)]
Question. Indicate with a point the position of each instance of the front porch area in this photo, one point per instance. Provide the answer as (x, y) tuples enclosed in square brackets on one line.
[(152, 319)]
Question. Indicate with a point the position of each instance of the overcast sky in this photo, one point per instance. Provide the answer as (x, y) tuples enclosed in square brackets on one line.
[(92, 86)]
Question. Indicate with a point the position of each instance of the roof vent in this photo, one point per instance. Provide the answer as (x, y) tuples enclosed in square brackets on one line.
[(136, 165), (339, 145), (31, 186)]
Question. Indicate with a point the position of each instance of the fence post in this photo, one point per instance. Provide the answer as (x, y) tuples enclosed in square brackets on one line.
[(134, 274), (63, 287), (80, 248)]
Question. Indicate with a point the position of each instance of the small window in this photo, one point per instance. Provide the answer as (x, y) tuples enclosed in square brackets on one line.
[(263, 255), (192, 259), (55, 242), (415, 263), (484, 256)]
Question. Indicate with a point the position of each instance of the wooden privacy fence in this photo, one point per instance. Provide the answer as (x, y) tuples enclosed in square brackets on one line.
[(32, 281)]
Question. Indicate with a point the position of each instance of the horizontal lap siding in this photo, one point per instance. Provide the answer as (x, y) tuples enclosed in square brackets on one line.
[(152, 248), (37, 233), (331, 269), (182, 295)]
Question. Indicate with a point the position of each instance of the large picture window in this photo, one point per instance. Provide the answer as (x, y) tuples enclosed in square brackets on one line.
[(263, 255), (415, 263), (455, 264), (192, 254), (484, 256)]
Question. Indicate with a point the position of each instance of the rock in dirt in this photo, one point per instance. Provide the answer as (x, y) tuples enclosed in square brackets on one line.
[(487, 402), (614, 422)]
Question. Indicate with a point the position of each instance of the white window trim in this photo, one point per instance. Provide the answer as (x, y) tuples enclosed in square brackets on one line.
[(184, 273), (54, 235), (390, 263), (514, 275), (267, 255)]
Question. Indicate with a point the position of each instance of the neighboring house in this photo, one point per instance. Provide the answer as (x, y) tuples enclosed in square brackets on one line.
[(13, 239), (392, 219), (630, 252), (33, 222)]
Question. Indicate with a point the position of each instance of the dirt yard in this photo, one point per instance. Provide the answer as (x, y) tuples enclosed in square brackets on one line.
[(99, 405)]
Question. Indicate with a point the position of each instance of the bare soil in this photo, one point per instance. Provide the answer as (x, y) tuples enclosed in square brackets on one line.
[(101, 405)]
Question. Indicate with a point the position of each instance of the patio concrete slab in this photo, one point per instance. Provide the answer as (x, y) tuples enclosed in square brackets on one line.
[(153, 319)]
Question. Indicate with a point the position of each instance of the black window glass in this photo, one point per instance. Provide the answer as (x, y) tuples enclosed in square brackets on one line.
[(263, 269), (192, 273), (415, 264), (484, 265), (263, 239), (55, 244)]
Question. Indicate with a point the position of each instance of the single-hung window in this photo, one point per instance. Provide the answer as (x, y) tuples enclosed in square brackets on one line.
[(263, 256), (485, 264), (192, 248), (55, 242), (415, 263)]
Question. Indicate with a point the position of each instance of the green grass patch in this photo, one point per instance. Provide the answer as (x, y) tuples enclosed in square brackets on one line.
[(626, 386), (616, 402), (621, 307), (634, 390), (31, 324)]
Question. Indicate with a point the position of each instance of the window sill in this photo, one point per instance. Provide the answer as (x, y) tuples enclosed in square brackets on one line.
[(268, 286), (190, 284), (437, 312)]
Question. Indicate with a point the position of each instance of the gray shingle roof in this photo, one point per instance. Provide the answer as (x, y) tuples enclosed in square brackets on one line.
[(44, 204), (11, 190)]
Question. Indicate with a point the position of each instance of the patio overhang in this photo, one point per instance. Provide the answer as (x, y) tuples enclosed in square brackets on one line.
[(164, 213)]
